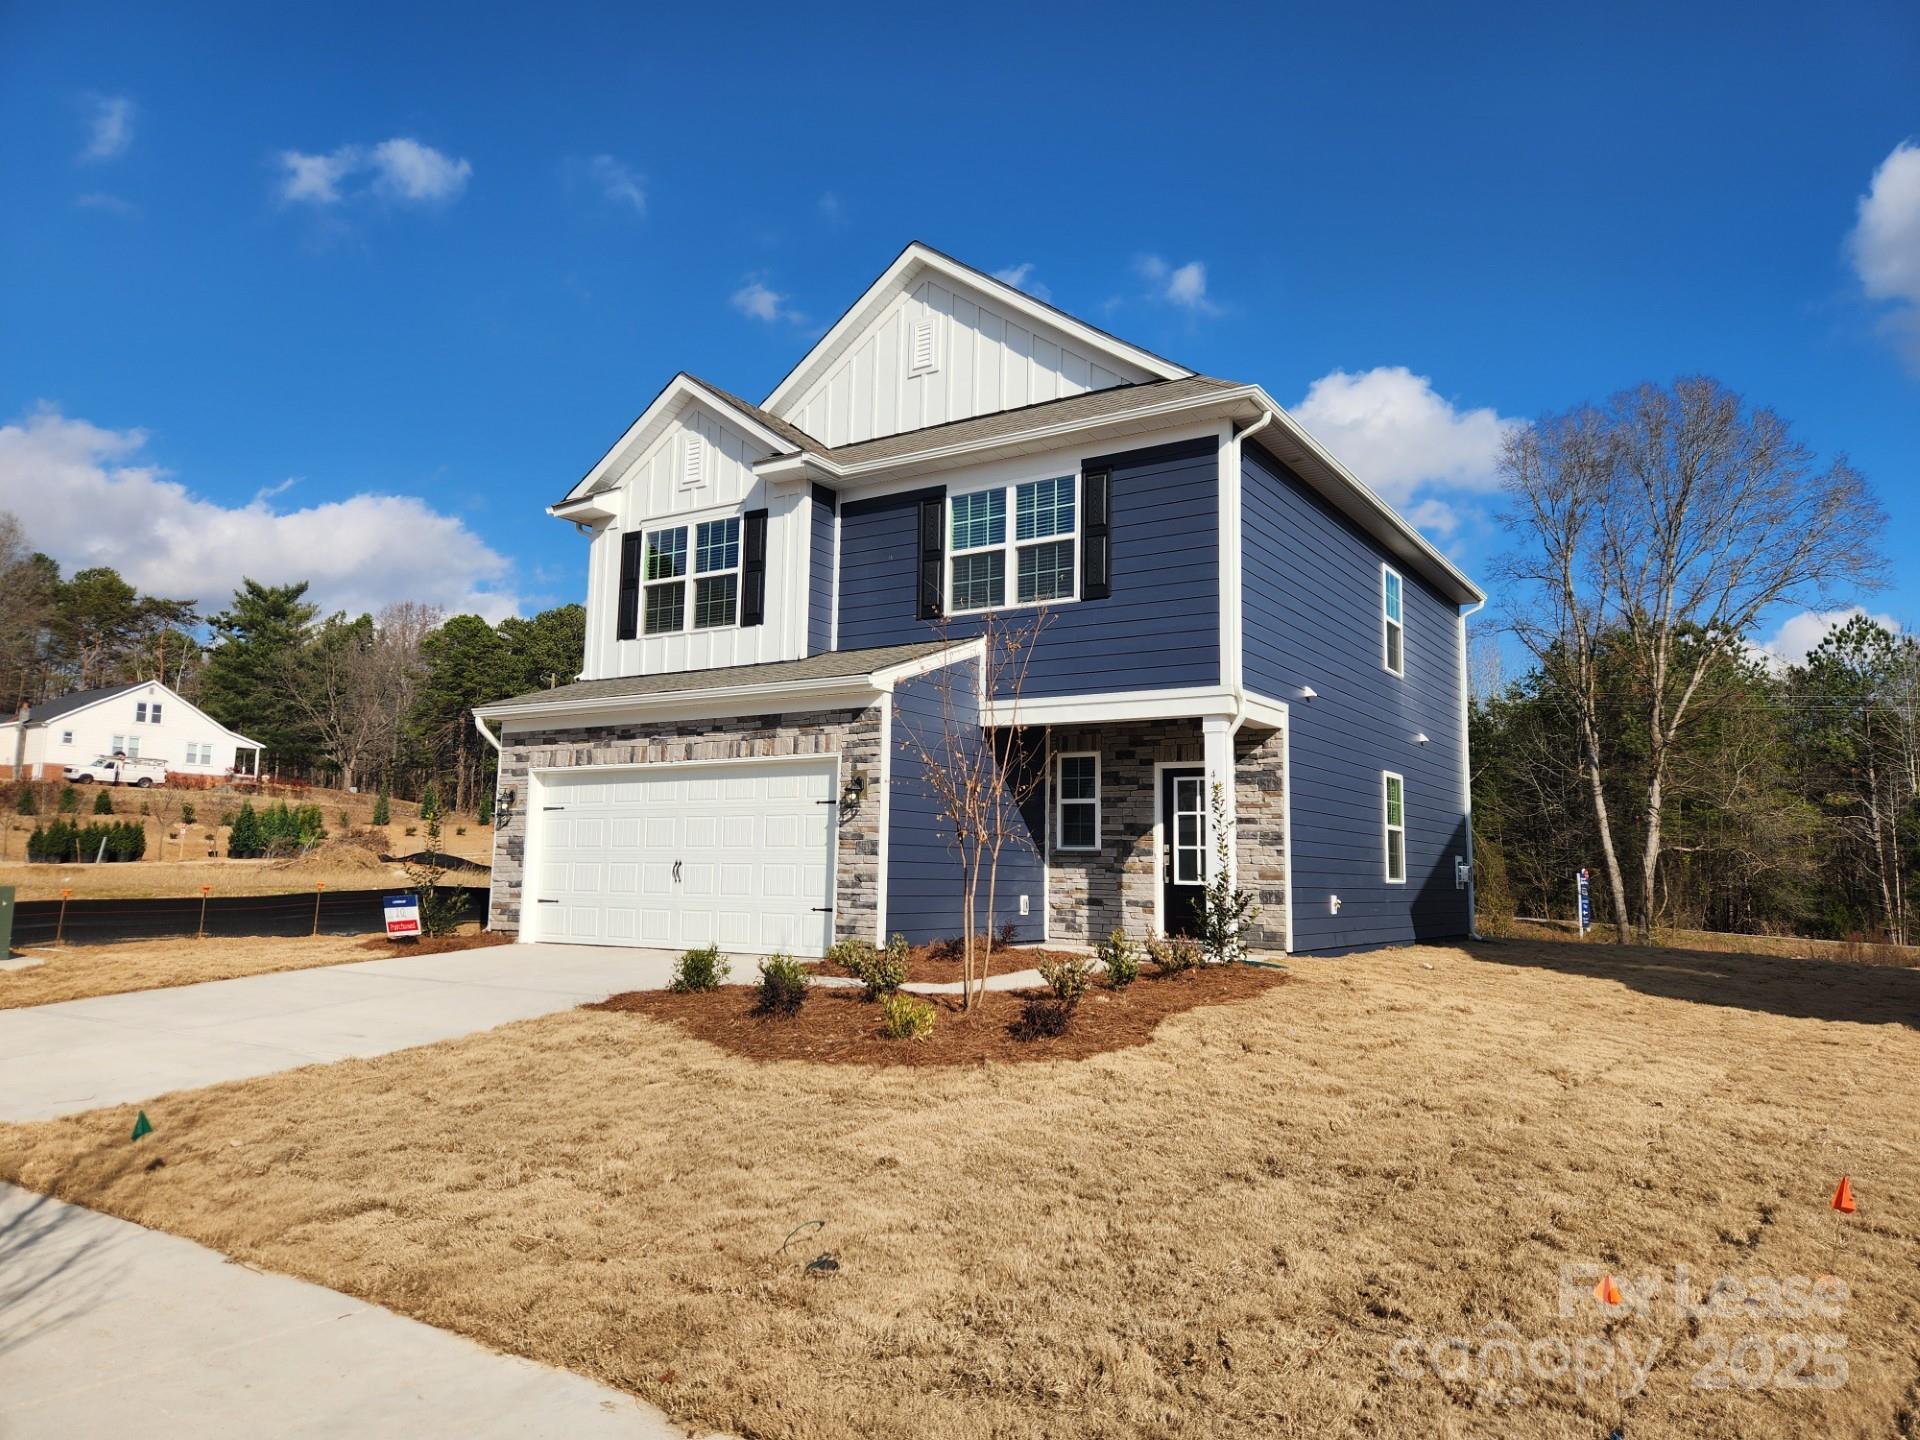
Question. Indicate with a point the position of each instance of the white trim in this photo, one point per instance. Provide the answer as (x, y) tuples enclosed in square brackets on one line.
[(1160, 838), (1466, 776), (834, 598), (1172, 703), (955, 653), (1010, 546), (1227, 561), (897, 277), (1286, 822), (884, 780), (838, 689), (681, 387), (689, 579), (1216, 741), (1046, 841), (1388, 624), (1387, 828), (1055, 812)]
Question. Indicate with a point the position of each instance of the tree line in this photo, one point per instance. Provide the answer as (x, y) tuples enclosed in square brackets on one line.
[(371, 701)]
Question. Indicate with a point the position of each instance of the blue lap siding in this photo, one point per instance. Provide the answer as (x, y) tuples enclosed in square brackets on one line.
[(820, 571), (1310, 593), (924, 899), (1158, 629)]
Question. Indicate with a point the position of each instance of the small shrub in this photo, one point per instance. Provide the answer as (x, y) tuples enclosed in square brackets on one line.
[(1175, 954), (485, 813), (28, 805), (883, 972), (459, 829), (783, 985), (430, 802), (346, 822), (102, 803), (902, 1017), (1042, 1017), (1003, 937), (850, 955), (702, 969), (1122, 959), (1228, 911), (1067, 977), (69, 800), (187, 812), (413, 829), (381, 811), (228, 817)]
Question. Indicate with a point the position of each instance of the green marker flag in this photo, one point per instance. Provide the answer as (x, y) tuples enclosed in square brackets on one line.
[(142, 1126)]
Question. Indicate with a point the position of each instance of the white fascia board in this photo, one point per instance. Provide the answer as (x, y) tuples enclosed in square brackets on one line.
[(897, 278), (744, 699), (1268, 714), (1114, 705), (682, 387), (955, 654)]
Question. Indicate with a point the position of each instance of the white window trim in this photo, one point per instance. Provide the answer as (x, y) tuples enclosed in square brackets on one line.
[(66, 737), (689, 581), (1060, 803), (1388, 624), (1010, 547), (1388, 829)]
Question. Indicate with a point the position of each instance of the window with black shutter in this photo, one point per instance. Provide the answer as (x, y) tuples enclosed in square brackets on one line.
[(753, 570), (933, 558), (1096, 535), (628, 613)]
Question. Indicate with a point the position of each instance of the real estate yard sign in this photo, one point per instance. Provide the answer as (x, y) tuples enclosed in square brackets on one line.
[(1586, 904), (403, 917)]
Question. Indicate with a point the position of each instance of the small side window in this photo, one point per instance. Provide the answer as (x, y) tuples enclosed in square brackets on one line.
[(1077, 818), (66, 737), (1393, 630), (140, 713), (1394, 801)]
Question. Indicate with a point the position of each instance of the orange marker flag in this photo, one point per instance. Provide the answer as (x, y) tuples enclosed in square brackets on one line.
[(1606, 1292), (1843, 1197)]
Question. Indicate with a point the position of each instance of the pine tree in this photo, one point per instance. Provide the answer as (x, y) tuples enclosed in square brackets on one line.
[(485, 816), (69, 801), (28, 805), (430, 802), (245, 841), (102, 803), (382, 815)]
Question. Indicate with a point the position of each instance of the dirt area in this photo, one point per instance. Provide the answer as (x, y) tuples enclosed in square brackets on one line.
[(469, 938), (842, 1027), (1790, 947), (180, 857), (74, 972), (940, 963), (1290, 1215)]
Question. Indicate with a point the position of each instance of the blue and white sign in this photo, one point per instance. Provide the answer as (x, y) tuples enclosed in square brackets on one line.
[(1586, 904), (403, 916)]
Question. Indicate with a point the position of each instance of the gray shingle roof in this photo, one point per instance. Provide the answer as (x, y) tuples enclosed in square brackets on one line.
[(831, 665), (1092, 405), (52, 709), (787, 431)]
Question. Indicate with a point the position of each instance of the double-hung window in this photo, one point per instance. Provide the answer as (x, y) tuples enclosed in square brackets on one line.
[(1077, 803), (1393, 797), (1028, 562), (1393, 630), (715, 574), (145, 714)]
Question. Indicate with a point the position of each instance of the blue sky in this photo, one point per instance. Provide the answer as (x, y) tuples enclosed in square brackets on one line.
[(354, 294)]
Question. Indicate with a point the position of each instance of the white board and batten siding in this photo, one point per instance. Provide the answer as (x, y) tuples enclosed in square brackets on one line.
[(739, 855), (935, 355), (700, 468)]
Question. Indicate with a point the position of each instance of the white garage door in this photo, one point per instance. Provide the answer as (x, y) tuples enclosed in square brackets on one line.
[(739, 855)]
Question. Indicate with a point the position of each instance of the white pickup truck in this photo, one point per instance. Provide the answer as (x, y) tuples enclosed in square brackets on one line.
[(120, 770)]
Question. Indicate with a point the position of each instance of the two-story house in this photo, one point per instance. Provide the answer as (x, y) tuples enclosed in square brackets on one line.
[(780, 603)]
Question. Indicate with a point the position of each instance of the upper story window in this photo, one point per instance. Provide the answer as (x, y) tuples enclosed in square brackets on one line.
[(145, 714), (715, 576), (1037, 551), (1394, 808), (1077, 822), (66, 737), (1393, 630)]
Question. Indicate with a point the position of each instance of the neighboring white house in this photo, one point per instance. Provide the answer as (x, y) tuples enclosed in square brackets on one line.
[(144, 719)]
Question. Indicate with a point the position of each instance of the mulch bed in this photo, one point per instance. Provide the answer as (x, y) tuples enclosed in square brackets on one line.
[(435, 944), (939, 963), (839, 1027)]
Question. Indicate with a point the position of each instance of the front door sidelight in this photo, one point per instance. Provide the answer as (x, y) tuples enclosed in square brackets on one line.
[(1183, 849)]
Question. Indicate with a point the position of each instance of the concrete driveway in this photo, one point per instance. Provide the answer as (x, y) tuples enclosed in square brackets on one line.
[(107, 1329), (80, 1054)]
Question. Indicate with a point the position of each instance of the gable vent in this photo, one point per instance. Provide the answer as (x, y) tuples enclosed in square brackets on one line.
[(694, 475), (923, 349)]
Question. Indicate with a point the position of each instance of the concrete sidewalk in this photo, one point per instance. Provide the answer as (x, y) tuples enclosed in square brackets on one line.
[(80, 1054), (107, 1329)]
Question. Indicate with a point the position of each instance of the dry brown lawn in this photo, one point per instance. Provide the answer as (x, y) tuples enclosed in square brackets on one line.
[(1223, 1232), (74, 972), (144, 880)]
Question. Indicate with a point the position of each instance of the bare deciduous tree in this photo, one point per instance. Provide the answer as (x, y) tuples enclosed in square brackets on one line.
[(1674, 518)]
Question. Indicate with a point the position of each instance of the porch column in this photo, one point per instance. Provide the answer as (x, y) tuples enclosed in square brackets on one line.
[(1216, 753)]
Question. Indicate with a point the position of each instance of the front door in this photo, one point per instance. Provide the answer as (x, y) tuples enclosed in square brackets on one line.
[(1183, 849)]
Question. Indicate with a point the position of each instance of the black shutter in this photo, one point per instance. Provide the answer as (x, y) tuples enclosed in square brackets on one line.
[(1096, 535), (629, 611), (753, 569), (933, 555)]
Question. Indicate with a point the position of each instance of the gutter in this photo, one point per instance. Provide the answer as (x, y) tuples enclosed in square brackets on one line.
[(1466, 772), (1239, 629)]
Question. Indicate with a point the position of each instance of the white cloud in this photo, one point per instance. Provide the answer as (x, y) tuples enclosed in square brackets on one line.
[(109, 127), (112, 204), (1021, 278), (1182, 285), (1885, 243), (618, 182), (1390, 427), (1434, 517), (1799, 634), (85, 496), (757, 300), (400, 168), (413, 171), (833, 210)]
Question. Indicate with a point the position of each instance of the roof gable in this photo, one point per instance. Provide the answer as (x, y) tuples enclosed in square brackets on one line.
[(933, 340), (78, 700)]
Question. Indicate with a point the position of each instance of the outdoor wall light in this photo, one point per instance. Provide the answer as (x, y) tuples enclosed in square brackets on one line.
[(1307, 692), (1419, 737), (856, 789)]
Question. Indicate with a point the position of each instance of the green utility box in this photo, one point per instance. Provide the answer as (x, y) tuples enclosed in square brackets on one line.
[(6, 921)]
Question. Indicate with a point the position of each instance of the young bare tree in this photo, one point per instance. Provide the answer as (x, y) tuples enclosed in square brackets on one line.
[(1675, 518), (979, 777)]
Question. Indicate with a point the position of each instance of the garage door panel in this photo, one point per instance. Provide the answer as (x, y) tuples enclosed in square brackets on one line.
[(659, 833)]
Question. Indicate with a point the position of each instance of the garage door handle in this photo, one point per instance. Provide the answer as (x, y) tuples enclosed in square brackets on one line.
[(823, 909), (676, 872), (546, 902)]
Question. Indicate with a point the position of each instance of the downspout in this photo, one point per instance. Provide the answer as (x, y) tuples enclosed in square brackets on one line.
[(20, 739), (1239, 687), (1466, 771), (1239, 682), (494, 741)]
